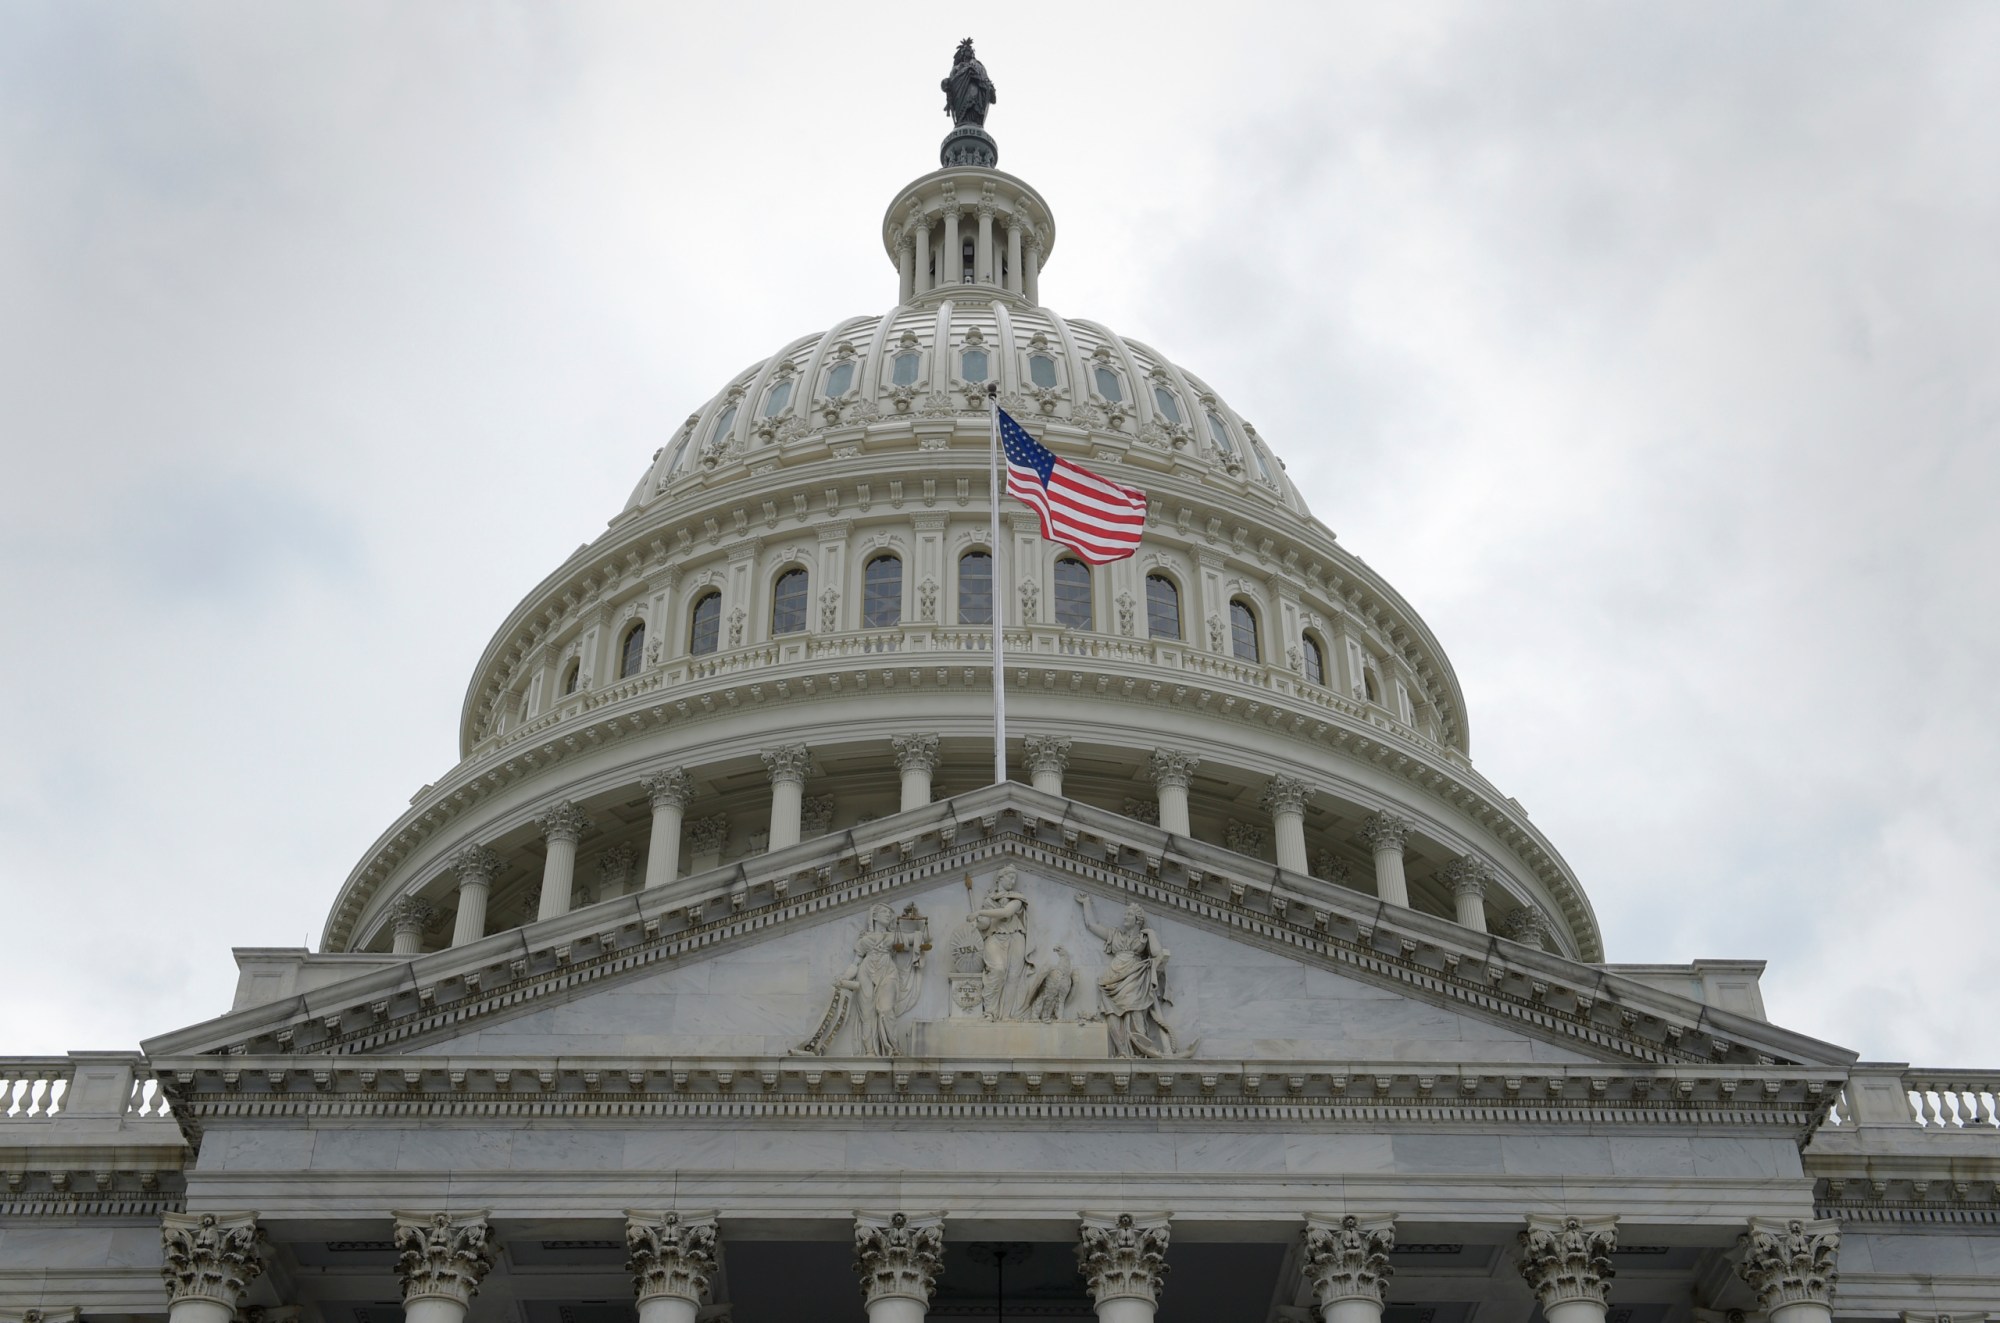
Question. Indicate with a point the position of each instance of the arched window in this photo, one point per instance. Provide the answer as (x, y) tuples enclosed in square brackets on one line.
[(1170, 409), (1163, 608), (1314, 659), (780, 396), (840, 380), (632, 655), (1263, 469), (723, 426), (705, 624), (1220, 431), (570, 676), (975, 588), (1042, 371), (788, 603), (1243, 631), (882, 593), (1073, 594), (904, 371), (682, 449), (1108, 387), (1370, 687), (972, 365)]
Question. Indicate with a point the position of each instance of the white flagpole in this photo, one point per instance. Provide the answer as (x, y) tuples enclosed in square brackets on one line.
[(999, 596)]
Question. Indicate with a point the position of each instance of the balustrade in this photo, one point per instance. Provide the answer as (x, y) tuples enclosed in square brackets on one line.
[(40, 1089)]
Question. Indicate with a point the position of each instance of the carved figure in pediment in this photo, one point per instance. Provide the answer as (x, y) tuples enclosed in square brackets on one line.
[(877, 989), (1132, 990), (1002, 921), (1048, 991)]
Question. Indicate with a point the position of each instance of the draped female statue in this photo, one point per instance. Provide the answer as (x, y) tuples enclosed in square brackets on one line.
[(1132, 991), (968, 92)]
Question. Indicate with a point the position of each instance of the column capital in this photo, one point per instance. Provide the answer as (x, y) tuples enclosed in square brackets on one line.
[(614, 868), (210, 1256), (1790, 1261), (789, 763), (442, 1255), (1173, 767), (1046, 753), (669, 787), (411, 914), (1287, 794), (564, 822), (898, 1256), (705, 834), (1123, 1257), (1347, 1258), (672, 1254), (1528, 926), (1568, 1258), (65, 1314), (1385, 830), (475, 863), (915, 753), (1466, 876)]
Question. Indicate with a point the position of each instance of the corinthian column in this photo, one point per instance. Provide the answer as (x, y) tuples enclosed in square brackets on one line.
[(409, 916), (1014, 254), (1466, 877), (671, 790), (563, 826), (1048, 759), (1789, 1263), (441, 1258), (1567, 1261), (1285, 800), (916, 759), (1124, 1262), (898, 1258), (787, 767), (1386, 832), (1347, 1263), (1172, 770), (476, 867), (1528, 926), (672, 1258), (207, 1261)]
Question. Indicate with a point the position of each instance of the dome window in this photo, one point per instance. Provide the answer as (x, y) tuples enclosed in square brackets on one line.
[(882, 593), (1263, 469), (840, 380), (1042, 371), (1312, 659), (788, 603), (632, 655), (723, 427), (1243, 631), (1163, 608), (1370, 686), (966, 250), (975, 588), (679, 457), (972, 365), (1073, 594), (1220, 431), (1108, 387), (571, 675), (1170, 409), (904, 372), (780, 396), (705, 625)]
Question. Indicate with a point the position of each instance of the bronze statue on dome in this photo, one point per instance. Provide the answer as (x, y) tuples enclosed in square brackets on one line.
[(968, 92)]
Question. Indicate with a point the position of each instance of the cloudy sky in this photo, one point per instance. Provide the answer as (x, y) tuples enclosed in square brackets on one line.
[(1649, 350)]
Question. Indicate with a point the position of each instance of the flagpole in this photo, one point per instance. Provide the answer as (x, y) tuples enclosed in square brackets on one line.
[(999, 596)]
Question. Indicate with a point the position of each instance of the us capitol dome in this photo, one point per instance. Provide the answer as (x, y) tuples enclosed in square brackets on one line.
[(721, 978)]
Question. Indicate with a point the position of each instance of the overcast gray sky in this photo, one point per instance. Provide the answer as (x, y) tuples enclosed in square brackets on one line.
[(1648, 350)]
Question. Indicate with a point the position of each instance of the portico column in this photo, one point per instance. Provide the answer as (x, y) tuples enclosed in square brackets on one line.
[(1789, 1263), (1567, 1262), (787, 767), (476, 866), (1386, 833), (1048, 758), (671, 790), (207, 1261), (1347, 1264), (1013, 255), (441, 1259), (916, 759), (563, 826), (1172, 770), (1466, 877), (1123, 1259), (951, 262), (410, 915), (672, 1258), (1285, 799), (899, 1258)]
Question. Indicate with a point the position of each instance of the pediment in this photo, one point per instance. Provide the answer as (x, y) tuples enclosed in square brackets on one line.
[(1264, 965)]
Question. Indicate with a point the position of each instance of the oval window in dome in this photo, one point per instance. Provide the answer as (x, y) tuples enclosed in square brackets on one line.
[(723, 426), (1108, 387), (1042, 371), (1169, 408), (780, 395), (1263, 469), (1220, 431), (904, 372), (840, 380), (972, 365)]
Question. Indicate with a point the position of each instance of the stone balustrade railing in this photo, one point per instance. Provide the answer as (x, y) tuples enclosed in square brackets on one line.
[(43, 1088), (32, 1088), (1940, 1101)]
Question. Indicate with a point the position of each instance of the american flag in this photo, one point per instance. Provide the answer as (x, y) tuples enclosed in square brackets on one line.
[(1093, 516)]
